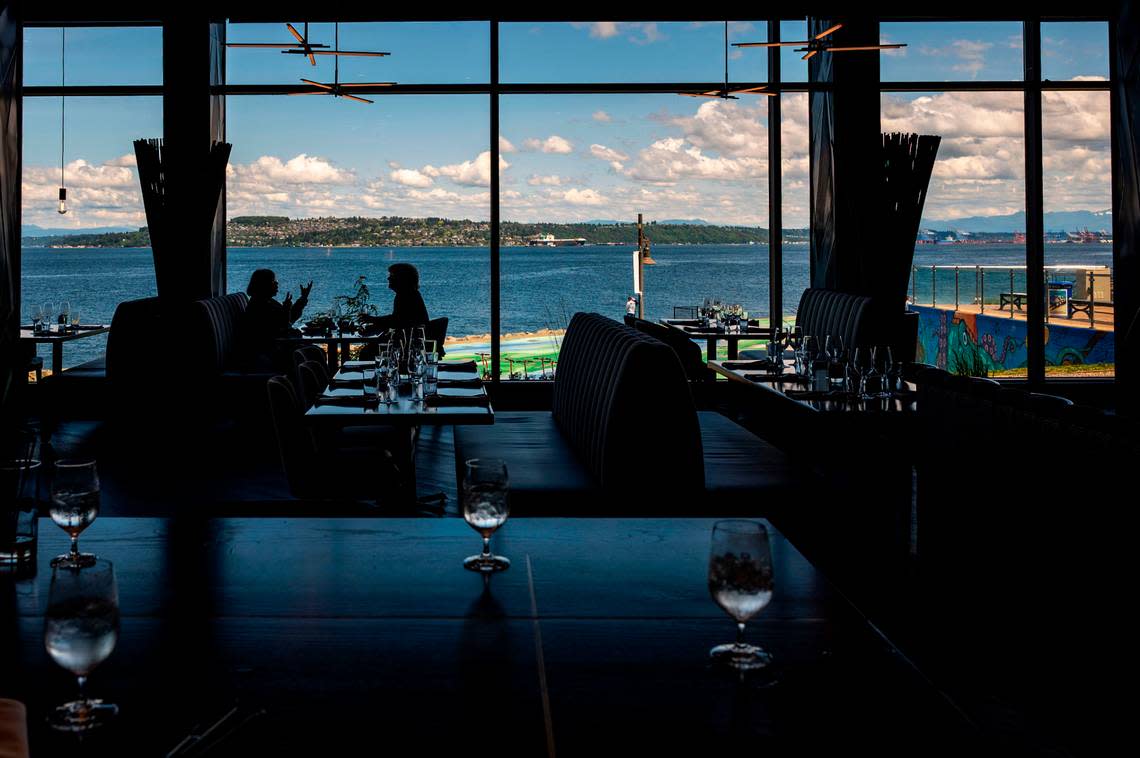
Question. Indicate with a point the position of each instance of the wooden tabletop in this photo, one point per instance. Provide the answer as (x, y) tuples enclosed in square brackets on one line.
[(594, 642)]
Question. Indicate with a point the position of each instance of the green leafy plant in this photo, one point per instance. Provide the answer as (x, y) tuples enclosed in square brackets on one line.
[(356, 304)]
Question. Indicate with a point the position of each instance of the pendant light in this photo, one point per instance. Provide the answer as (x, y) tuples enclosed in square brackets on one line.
[(62, 118)]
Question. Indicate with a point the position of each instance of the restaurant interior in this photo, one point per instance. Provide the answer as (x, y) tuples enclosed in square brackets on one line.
[(285, 557)]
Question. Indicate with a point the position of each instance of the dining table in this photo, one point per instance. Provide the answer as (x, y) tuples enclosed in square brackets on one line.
[(714, 335), (336, 343), (267, 636), (56, 337)]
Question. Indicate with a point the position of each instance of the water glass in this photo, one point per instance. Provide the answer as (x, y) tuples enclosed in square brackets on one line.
[(486, 505), (48, 309), (37, 318), (81, 628), (431, 376), (740, 582), (74, 505)]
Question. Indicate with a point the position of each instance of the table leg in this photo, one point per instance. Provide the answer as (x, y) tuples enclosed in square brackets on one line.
[(733, 349), (710, 349), (56, 358)]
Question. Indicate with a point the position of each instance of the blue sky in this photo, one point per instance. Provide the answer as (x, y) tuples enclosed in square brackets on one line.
[(564, 157)]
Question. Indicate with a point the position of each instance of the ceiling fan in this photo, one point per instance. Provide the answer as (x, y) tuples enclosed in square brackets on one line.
[(310, 50), (335, 87), (818, 44), (725, 93)]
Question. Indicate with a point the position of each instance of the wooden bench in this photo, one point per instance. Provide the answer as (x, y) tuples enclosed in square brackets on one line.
[(1085, 306), (1012, 299)]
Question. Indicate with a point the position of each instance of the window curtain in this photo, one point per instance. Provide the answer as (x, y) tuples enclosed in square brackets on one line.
[(10, 167), (1125, 65)]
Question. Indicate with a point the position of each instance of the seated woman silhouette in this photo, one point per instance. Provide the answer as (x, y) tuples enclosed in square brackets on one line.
[(408, 309), (265, 320)]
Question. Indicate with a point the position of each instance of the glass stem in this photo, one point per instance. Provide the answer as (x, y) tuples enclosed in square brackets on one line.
[(75, 546), (82, 680), (486, 546), (740, 634)]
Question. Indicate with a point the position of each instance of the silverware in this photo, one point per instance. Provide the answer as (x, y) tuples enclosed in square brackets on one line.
[(227, 725)]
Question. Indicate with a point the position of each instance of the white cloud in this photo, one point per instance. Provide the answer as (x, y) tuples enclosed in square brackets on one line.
[(409, 177), (583, 197), (602, 117), (604, 153), (505, 145), (473, 173), (545, 181), (970, 55), (301, 169), (552, 144), (124, 160)]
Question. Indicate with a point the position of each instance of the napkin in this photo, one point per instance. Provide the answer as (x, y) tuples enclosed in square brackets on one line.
[(13, 729), (349, 401), (456, 401), (468, 366), (760, 365), (471, 383)]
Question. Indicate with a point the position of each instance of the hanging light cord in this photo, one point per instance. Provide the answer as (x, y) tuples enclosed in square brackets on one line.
[(62, 100), (726, 56)]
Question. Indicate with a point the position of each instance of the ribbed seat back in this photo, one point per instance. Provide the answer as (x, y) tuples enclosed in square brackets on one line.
[(622, 401), (823, 312), (214, 321), (687, 351)]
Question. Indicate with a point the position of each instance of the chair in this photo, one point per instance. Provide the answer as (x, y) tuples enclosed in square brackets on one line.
[(314, 381), (306, 353), (326, 467), (436, 330)]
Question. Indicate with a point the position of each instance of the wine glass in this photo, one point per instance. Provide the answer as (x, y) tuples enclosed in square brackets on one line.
[(64, 315), (486, 505), (864, 368), (740, 581), (885, 365), (49, 314), (37, 318), (81, 627), (74, 505)]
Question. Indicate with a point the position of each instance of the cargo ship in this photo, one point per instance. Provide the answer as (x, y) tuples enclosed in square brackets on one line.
[(549, 240)]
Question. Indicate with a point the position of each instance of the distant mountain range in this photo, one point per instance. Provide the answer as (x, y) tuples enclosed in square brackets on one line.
[(31, 230), (1059, 221)]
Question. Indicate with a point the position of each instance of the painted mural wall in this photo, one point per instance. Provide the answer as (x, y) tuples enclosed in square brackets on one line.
[(977, 344)]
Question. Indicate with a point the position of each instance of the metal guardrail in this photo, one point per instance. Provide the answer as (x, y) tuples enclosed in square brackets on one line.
[(1011, 297)]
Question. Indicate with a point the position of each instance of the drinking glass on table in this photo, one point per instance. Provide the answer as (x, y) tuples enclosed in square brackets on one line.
[(37, 318), (49, 314), (740, 582), (74, 505), (81, 627), (885, 365), (486, 505), (75, 321), (64, 315)]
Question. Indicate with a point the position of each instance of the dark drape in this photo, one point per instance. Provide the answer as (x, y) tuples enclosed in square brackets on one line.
[(844, 145), (10, 82), (1125, 64), (907, 161), (218, 135)]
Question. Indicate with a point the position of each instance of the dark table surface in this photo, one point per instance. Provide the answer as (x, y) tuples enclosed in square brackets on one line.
[(595, 641), (788, 386), (406, 411)]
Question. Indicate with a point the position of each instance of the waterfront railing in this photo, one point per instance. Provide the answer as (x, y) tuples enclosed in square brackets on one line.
[(1071, 289)]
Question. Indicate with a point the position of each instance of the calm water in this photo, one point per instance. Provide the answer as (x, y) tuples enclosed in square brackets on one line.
[(541, 287)]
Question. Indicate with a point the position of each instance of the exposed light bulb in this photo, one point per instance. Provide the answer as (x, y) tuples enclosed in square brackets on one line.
[(63, 199)]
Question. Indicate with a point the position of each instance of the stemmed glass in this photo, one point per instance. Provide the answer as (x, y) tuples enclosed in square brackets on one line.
[(863, 368), (81, 628), (74, 505), (64, 315), (885, 365), (49, 314), (37, 318), (740, 581), (486, 505)]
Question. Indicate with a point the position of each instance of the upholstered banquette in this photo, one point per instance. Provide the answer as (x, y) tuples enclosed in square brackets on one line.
[(839, 314), (687, 351), (623, 436)]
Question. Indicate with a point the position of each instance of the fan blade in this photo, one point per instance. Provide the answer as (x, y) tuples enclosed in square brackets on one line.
[(289, 45), (754, 91), (358, 53), (826, 32), (809, 54), (866, 47), (312, 60), (354, 97), (771, 44), (293, 30), (322, 85), (367, 84)]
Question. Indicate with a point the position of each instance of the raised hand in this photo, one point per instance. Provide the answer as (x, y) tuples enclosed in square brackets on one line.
[(288, 301), (306, 290)]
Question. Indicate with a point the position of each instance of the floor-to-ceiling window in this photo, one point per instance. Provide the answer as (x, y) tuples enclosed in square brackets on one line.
[(88, 93)]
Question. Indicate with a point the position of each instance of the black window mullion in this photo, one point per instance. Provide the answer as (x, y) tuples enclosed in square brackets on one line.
[(496, 321), (775, 189), (1034, 210)]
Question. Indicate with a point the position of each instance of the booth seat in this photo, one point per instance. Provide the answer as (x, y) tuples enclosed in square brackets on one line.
[(624, 438), (822, 312)]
